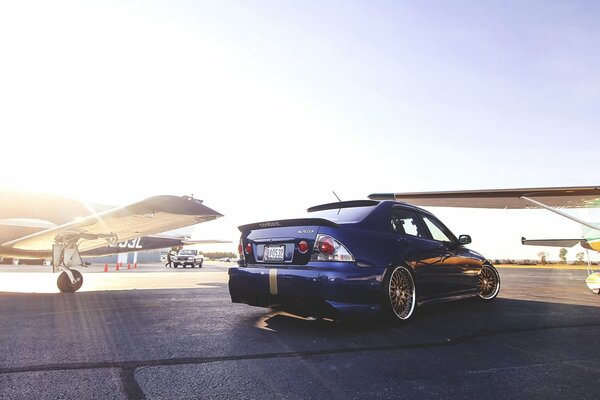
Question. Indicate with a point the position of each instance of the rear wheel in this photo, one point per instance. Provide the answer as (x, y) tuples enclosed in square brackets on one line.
[(489, 282), (400, 296), (175, 265)]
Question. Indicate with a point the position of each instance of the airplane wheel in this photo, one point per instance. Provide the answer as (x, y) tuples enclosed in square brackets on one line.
[(64, 283)]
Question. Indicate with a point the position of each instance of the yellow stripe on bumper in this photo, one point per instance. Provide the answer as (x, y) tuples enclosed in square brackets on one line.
[(273, 281)]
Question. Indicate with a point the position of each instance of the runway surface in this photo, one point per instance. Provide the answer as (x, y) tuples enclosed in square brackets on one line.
[(165, 334)]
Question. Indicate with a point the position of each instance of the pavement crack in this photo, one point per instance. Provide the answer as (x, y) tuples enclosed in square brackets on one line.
[(132, 388), (130, 385)]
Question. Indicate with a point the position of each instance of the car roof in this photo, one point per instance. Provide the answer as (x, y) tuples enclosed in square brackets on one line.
[(409, 206)]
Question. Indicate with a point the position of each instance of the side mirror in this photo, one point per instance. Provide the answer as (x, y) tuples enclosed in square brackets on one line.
[(464, 239)]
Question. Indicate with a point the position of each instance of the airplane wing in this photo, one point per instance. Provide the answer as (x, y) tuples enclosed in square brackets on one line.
[(205, 241), (557, 197), (150, 216), (551, 242)]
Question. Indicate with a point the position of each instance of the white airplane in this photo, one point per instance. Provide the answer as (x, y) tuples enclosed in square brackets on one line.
[(44, 226), (552, 199)]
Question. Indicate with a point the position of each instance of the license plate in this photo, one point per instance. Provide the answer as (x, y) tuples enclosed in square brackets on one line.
[(274, 253)]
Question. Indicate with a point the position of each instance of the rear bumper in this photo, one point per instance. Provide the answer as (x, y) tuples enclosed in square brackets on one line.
[(326, 291)]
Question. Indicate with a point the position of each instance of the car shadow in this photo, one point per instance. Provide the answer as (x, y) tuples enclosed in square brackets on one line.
[(443, 321)]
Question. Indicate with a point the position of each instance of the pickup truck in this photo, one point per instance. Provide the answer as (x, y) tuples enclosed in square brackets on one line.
[(187, 257)]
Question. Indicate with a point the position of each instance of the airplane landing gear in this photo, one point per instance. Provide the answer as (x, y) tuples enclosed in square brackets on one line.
[(593, 282), (65, 256), (69, 281)]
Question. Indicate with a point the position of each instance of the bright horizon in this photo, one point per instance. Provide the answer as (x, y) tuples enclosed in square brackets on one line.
[(263, 108)]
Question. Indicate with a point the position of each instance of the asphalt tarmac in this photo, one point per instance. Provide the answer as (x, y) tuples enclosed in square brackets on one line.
[(165, 334)]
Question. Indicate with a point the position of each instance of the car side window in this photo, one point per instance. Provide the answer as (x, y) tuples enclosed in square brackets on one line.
[(406, 223), (436, 231)]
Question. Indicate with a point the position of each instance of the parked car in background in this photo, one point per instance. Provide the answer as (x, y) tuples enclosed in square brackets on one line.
[(187, 257), (357, 257)]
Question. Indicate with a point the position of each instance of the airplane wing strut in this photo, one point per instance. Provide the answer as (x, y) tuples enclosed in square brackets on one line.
[(562, 214)]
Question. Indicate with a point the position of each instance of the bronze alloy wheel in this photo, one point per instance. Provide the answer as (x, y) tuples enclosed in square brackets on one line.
[(489, 282), (401, 293)]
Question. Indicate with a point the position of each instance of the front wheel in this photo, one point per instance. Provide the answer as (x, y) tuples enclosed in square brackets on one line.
[(489, 282), (400, 295), (64, 282)]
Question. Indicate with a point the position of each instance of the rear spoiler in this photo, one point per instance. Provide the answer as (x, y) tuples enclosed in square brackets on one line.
[(288, 222)]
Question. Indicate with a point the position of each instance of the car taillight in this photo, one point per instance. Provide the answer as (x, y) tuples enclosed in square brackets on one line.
[(249, 248), (240, 250), (303, 246), (328, 248)]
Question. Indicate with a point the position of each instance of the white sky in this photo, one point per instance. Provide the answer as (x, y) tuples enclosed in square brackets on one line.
[(262, 108)]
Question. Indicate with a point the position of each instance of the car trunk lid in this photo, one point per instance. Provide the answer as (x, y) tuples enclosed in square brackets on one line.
[(277, 244)]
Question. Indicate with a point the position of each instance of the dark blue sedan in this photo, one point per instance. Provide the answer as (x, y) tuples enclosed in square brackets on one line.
[(357, 257)]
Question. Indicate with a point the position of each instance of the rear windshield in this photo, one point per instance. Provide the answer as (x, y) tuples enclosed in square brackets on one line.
[(342, 215)]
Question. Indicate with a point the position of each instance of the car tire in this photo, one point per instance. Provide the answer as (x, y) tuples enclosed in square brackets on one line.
[(175, 265), (489, 282), (399, 294)]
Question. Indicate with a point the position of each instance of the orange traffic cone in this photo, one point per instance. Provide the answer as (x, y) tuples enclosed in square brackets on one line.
[(116, 269), (106, 267), (128, 265), (135, 266)]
